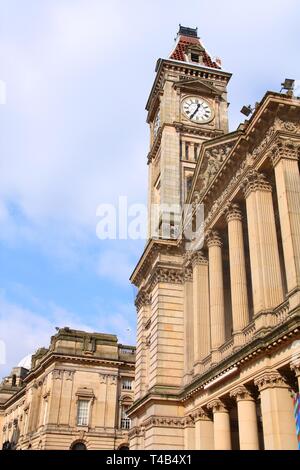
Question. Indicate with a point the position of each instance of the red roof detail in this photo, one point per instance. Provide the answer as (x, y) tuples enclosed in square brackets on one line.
[(179, 52)]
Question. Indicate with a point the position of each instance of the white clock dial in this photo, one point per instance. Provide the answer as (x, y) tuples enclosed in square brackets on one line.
[(156, 124), (197, 110)]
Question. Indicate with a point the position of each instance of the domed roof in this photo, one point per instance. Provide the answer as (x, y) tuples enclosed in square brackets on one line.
[(25, 362)]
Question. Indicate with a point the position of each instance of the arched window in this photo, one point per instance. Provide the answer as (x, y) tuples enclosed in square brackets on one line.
[(78, 445), (14, 380)]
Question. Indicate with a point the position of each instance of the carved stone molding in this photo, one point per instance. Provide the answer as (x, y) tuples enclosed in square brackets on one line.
[(256, 181), (188, 421), (217, 406), (233, 212), (134, 432), (235, 180), (69, 374), (57, 374), (284, 149), (164, 421), (109, 379), (167, 275), (241, 393), (188, 274), (214, 239), (142, 299), (200, 415), (213, 159), (199, 258), (270, 379)]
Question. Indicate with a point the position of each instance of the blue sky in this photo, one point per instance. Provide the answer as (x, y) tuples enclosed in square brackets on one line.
[(73, 135)]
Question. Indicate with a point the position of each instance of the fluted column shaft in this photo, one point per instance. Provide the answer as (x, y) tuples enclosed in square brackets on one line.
[(285, 161), (222, 433), (248, 430), (216, 290), (277, 410), (238, 279), (263, 245), (188, 324), (200, 309)]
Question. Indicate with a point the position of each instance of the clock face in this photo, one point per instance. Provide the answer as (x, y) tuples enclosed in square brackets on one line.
[(197, 110), (156, 124)]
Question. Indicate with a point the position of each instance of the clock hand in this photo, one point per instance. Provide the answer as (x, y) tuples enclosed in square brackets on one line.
[(198, 106)]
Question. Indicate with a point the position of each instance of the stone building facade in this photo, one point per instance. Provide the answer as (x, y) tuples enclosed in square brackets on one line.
[(75, 395), (218, 356)]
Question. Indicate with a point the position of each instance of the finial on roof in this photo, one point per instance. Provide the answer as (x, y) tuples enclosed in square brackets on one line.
[(191, 32)]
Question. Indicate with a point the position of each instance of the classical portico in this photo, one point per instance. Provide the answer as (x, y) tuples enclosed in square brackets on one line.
[(223, 326)]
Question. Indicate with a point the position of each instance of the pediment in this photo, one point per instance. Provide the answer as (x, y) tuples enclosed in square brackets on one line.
[(197, 85)]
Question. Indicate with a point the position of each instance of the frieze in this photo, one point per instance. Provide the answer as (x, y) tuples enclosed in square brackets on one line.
[(213, 159), (164, 421)]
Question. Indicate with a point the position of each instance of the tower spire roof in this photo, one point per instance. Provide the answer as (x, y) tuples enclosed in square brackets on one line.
[(188, 48)]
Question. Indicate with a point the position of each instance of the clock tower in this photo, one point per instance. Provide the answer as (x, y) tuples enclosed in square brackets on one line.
[(187, 106)]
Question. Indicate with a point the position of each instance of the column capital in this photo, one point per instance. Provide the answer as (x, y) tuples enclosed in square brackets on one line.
[(270, 379), (200, 415), (241, 393), (188, 421), (214, 239), (256, 181), (187, 274), (295, 366), (233, 212), (198, 258), (284, 149), (217, 406)]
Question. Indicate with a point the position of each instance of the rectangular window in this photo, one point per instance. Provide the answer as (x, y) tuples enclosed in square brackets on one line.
[(125, 421), (127, 384), (196, 152), (186, 151), (194, 57), (83, 413)]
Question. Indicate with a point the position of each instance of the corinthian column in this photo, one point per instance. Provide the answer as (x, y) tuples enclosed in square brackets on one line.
[(222, 433), (248, 431), (263, 245), (200, 309), (216, 290), (277, 410), (285, 162), (238, 280)]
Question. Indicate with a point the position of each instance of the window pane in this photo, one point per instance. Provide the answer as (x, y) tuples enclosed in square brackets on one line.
[(83, 413), (126, 384)]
